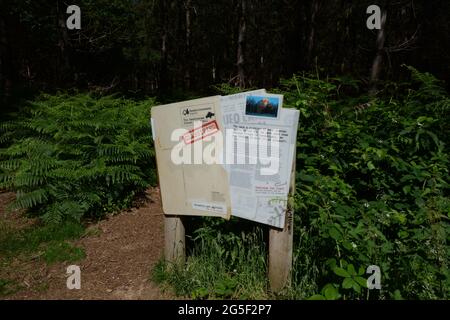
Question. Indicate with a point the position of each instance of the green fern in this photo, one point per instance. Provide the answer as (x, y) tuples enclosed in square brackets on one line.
[(72, 156)]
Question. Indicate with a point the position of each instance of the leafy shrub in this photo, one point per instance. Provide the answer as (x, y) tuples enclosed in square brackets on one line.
[(72, 156), (373, 187)]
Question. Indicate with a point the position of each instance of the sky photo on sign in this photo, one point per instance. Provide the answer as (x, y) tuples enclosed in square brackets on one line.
[(263, 106)]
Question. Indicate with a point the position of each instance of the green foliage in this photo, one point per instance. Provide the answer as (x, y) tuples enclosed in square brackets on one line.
[(223, 265), (14, 242), (225, 89), (329, 292), (8, 287), (49, 243), (72, 156), (63, 251), (373, 187)]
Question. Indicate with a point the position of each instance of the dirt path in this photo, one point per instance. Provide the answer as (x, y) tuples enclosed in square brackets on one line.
[(120, 254)]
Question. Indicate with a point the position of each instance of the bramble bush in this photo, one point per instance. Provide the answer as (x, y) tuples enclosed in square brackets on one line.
[(372, 189), (74, 156)]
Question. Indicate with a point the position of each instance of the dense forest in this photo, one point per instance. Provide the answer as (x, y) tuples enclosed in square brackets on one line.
[(373, 152), (143, 47)]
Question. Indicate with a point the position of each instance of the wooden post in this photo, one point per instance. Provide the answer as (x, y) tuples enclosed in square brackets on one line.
[(174, 238), (281, 246)]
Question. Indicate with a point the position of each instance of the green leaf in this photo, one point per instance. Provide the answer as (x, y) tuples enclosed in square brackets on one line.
[(307, 177), (347, 283), (347, 245), (331, 263), (406, 189), (356, 287), (335, 234), (361, 281), (341, 272), (351, 270), (331, 293), (398, 295), (361, 271)]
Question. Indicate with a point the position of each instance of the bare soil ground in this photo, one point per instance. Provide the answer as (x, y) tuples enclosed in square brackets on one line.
[(120, 254)]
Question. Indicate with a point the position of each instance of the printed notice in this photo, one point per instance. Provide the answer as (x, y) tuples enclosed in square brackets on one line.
[(211, 207), (190, 114), (259, 186)]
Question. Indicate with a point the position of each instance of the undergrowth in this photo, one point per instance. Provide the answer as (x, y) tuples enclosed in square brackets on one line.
[(222, 265), (51, 242), (69, 157)]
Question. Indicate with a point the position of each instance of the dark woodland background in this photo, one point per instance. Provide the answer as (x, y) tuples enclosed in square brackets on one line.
[(143, 47)]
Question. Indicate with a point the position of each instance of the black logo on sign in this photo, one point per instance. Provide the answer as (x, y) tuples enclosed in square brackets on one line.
[(209, 115)]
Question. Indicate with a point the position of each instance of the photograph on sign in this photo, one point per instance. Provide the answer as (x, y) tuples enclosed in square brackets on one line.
[(263, 105)]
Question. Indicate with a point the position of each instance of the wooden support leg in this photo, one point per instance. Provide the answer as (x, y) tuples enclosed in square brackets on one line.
[(281, 246), (280, 255), (174, 239)]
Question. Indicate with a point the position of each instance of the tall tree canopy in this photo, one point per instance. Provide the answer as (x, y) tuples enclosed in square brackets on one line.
[(160, 46)]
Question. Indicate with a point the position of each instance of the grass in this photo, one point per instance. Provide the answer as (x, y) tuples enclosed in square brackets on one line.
[(8, 287), (51, 243), (227, 265), (212, 272), (29, 240), (62, 251)]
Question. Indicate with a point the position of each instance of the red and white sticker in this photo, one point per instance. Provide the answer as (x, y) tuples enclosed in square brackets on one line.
[(201, 132)]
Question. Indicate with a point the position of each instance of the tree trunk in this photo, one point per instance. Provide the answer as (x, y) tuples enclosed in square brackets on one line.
[(187, 62), (163, 77), (241, 45), (63, 43), (213, 70), (312, 33), (5, 65), (3, 77), (378, 61)]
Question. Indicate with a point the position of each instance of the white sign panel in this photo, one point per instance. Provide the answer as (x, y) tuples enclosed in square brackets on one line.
[(222, 156), (259, 185)]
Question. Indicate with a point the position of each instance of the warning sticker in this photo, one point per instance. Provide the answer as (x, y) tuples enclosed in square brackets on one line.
[(201, 132), (197, 113)]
